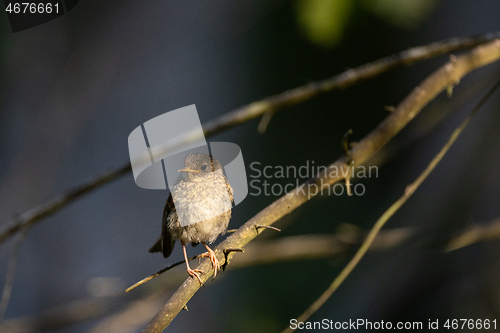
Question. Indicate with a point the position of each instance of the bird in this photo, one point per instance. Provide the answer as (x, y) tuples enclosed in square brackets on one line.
[(201, 189)]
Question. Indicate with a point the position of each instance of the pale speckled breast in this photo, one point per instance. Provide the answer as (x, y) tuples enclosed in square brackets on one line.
[(204, 204)]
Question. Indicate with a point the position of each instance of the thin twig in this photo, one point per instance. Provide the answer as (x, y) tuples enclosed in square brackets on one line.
[(256, 109), (11, 272), (410, 189), (258, 226), (475, 235), (169, 267), (226, 256), (451, 72), (264, 122)]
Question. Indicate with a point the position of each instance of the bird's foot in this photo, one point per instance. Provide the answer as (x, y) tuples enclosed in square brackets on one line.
[(213, 258), (194, 273)]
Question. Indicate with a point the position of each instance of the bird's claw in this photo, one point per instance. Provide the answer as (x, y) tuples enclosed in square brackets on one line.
[(194, 273), (213, 259)]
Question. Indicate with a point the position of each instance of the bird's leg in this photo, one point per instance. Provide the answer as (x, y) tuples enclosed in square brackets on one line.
[(213, 258), (191, 272)]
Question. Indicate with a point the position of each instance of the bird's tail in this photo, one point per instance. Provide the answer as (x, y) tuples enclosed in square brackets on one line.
[(156, 247)]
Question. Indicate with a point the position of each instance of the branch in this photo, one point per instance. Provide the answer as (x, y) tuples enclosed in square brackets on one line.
[(344, 241), (139, 311), (410, 189), (447, 75), (475, 235), (307, 247), (257, 109)]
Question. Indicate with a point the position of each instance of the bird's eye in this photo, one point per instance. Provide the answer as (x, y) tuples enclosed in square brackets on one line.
[(203, 167)]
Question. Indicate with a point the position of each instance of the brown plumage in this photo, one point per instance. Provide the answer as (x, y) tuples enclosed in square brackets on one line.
[(201, 189)]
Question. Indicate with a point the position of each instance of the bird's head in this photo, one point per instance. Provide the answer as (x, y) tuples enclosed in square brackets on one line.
[(199, 165)]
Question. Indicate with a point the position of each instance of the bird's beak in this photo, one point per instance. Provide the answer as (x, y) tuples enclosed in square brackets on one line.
[(189, 170)]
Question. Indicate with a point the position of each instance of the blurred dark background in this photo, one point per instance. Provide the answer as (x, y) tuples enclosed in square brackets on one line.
[(72, 90)]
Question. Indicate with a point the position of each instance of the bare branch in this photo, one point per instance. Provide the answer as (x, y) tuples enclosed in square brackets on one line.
[(257, 253), (152, 276), (449, 74), (410, 189), (256, 109)]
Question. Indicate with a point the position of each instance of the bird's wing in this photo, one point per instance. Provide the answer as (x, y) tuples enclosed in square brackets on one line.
[(165, 243)]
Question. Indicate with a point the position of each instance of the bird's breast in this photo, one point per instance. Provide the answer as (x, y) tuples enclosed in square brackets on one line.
[(200, 201)]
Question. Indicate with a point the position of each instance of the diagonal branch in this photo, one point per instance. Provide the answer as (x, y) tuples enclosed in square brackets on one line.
[(447, 75), (410, 189), (290, 248), (257, 109)]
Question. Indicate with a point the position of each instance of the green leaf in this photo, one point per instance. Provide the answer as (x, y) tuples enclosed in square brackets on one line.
[(406, 14), (323, 21)]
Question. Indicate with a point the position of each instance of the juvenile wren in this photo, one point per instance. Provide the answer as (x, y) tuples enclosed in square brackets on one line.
[(202, 187)]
